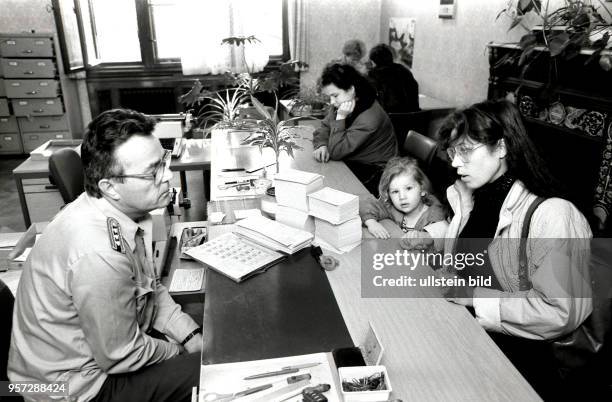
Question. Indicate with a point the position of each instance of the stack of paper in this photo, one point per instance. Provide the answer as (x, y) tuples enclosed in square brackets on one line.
[(274, 235), (333, 206), (293, 186), (341, 236), (295, 218)]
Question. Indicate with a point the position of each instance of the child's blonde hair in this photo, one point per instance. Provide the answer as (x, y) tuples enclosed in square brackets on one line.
[(403, 165)]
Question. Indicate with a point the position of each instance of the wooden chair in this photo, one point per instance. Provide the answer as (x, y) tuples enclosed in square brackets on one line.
[(66, 172)]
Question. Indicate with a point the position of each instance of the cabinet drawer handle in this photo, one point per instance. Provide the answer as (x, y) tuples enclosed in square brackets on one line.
[(31, 92), (45, 126), (38, 110), (28, 72), (27, 51)]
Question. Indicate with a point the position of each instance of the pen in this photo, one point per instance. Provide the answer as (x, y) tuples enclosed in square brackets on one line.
[(263, 167), (233, 170), (283, 370)]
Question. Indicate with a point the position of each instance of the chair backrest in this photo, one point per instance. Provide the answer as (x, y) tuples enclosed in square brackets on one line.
[(6, 316), (420, 147), (67, 173), (404, 122)]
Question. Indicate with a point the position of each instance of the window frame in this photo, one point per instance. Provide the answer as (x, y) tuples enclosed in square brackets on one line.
[(149, 64)]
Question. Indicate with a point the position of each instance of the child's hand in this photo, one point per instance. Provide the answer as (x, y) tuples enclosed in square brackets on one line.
[(377, 229), (416, 240)]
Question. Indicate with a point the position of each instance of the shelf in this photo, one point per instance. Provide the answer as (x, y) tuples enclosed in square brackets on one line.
[(598, 140)]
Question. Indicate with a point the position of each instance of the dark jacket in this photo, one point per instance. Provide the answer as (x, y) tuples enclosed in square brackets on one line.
[(398, 91)]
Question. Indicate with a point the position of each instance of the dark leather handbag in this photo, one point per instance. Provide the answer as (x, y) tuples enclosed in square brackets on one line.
[(588, 346)]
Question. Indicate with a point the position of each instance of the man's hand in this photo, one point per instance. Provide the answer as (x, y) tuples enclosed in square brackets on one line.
[(416, 240), (377, 229), (194, 344), (345, 109), (321, 154)]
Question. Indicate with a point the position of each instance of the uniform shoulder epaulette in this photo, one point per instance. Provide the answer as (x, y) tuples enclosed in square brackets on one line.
[(114, 235)]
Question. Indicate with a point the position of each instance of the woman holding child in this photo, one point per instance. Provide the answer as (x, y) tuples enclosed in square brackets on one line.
[(500, 175)]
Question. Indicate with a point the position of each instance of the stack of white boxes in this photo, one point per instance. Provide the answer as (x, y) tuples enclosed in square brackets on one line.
[(292, 188), (337, 219)]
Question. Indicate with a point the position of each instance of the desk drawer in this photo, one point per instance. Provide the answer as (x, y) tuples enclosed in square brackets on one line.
[(31, 88), (37, 107), (2, 91), (24, 68), (31, 141), (43, 123), (8, 124), (10, 143), (43, 201), (26, 47), (4, 111)]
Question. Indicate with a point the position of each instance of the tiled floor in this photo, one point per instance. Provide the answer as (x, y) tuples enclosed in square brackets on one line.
[(11, 218)]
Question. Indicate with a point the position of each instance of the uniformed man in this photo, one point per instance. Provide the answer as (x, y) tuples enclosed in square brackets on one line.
[(90, 310)]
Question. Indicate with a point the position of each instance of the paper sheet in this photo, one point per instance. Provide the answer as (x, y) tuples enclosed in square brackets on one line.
[(9, 239), (229, 377)]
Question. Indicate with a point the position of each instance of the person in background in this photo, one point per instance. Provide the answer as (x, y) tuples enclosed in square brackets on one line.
[(356, 130), (398, 91), (500, 175), (405, 197), (353, 52), (90, 309)]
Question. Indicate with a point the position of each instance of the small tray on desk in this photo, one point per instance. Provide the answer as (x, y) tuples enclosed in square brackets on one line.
[(44, 151)]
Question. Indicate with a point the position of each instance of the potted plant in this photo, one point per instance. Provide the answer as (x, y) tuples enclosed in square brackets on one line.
[(228, 106), (563, 32), (308, 102), (272, 133)]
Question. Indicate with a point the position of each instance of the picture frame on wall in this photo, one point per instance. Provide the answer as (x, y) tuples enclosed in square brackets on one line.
[(447, 9), (401, 39)]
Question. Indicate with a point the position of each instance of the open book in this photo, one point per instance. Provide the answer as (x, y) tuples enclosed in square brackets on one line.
[(235, 256)]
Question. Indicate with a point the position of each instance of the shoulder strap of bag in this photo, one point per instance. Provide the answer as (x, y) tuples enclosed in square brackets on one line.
[(524, 282)]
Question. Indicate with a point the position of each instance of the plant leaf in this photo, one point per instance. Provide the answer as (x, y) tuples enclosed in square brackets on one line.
[(517, 20), (527, 40), (558, 43), (260, 108), (526, 54)]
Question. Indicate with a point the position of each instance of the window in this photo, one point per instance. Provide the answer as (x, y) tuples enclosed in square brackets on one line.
[(147, 34)]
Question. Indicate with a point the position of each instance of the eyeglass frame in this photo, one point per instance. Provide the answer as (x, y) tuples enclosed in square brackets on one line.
[(162, 166), (465, 155)]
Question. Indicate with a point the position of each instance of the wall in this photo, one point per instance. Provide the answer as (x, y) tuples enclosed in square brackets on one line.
[(450, 55), (331, 23), (37, 15)]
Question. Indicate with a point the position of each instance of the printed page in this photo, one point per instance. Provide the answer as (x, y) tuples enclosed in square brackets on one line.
[(283, 234)]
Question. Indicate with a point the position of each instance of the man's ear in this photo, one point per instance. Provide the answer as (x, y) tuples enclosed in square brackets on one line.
[(107, 188), (501, 148)]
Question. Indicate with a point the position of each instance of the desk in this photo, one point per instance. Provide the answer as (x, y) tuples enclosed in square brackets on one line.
[(195, 157), (434, 349)]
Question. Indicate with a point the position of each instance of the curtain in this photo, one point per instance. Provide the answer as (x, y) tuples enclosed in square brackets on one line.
[(298, 30), (207, 22)]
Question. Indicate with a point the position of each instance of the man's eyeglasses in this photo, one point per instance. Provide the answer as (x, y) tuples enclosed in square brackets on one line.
[(158, 173), (462, 151)]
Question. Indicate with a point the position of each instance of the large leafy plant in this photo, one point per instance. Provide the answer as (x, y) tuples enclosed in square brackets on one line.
[(272, 133), (564, 32), (223, 106)]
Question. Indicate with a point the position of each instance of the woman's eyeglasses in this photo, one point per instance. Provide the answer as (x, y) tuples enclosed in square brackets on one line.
[(158, 173), (463, 151)]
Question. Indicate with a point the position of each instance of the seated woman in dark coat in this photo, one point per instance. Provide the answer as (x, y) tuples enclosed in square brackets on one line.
[(398, 91), (356, 130)]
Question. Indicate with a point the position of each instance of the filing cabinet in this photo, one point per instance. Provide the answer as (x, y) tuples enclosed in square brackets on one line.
[(31, 99)]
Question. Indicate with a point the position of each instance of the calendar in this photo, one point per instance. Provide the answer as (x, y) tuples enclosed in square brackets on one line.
[(235, 256)]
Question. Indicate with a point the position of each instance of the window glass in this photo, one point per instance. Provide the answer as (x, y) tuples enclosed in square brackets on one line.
[(165, 17), (264, 19), (116, 30)]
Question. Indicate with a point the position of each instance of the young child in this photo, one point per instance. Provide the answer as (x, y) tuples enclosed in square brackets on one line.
[(405, 198)]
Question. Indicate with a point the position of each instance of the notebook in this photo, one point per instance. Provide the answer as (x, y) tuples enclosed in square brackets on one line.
[(235, 256), (333, 205)]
